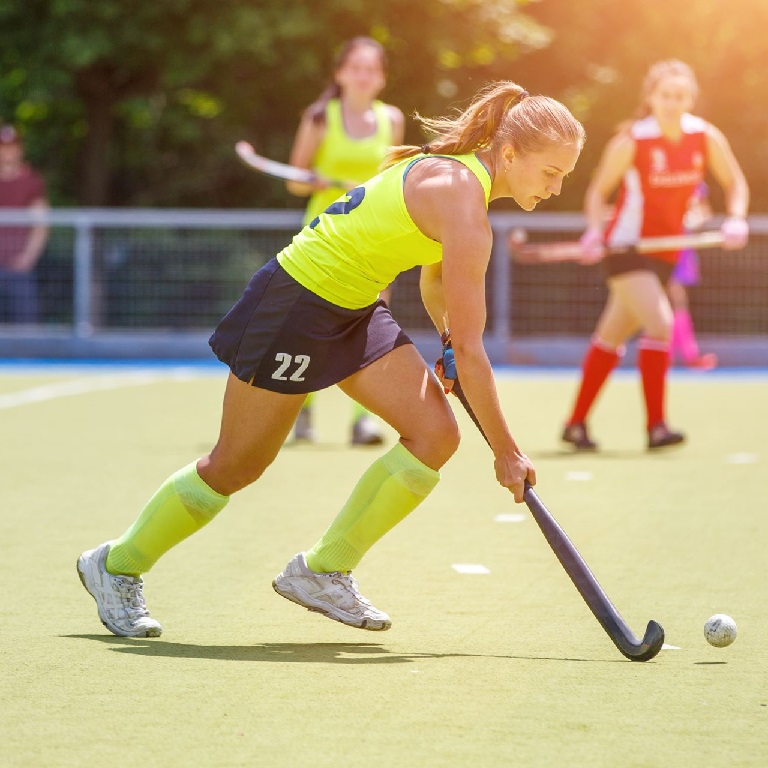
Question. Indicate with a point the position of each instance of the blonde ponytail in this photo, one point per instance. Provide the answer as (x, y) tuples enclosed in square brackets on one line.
[(502, 112)]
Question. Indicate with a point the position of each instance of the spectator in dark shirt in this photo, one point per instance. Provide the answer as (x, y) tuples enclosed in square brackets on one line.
[(20, 246)]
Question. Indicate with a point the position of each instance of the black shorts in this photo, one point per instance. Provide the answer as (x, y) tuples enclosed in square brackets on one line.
[(283, 337), (630, 260)]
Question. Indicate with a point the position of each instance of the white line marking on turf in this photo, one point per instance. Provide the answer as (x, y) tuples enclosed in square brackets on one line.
[(741, 458), (469, 568), (666, 647), (509, 517), (75, 387), (578, 476)]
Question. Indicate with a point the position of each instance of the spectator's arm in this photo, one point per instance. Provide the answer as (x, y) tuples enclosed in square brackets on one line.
[(38, 237)]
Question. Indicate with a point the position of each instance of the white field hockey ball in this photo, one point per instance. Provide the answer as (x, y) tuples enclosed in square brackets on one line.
[(720, 630)]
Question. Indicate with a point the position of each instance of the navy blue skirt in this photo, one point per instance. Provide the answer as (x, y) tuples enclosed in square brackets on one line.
[(283, 337)]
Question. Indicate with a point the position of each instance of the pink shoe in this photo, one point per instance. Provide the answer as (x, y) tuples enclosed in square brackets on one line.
[(704, 362)]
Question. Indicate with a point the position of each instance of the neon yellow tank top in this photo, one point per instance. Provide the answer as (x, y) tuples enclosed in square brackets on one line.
[(356, 247), (342, 157)]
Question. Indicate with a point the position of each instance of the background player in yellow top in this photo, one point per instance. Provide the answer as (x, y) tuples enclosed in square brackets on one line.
[(345, 134), (312, 318)]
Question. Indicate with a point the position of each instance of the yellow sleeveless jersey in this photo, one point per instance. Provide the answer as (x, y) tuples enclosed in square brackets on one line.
[(342, 157), (356, 247)]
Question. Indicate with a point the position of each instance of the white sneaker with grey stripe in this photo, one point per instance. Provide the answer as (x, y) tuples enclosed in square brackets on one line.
[(119, 599), (335, 595)]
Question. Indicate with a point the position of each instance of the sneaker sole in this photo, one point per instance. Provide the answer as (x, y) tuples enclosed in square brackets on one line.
[(111, 627), (366, 443), (662, 446), (581, 448), (352, 621)]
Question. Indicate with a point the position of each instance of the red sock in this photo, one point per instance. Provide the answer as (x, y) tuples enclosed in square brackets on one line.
[(598, 363), (653, 362)]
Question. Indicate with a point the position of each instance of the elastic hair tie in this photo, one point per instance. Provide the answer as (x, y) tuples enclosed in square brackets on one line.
[(523, 95), (425, 149)]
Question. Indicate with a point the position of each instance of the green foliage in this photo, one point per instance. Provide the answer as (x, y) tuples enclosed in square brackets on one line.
[(133, 103), (602, 49)]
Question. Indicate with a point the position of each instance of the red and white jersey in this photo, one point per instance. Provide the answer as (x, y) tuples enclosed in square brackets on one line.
[(655, 191)]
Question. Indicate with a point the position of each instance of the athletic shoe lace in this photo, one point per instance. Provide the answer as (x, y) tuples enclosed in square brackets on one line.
[(349, 584), (132, 596)]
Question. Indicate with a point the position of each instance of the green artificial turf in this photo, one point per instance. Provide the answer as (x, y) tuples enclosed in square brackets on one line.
[(507, 668)]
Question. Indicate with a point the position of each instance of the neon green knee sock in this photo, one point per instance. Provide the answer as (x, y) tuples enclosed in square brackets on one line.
[(182, 505), (392, 487)]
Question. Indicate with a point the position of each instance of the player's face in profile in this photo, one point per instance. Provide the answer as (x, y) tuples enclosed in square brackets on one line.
[(671, 98), (536, 176), (362, 72)]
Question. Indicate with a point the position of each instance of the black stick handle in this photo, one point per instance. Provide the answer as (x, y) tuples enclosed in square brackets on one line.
[(580, 574)]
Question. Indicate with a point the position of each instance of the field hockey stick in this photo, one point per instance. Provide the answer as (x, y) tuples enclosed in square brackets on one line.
[(282, 170), (570, 250), (580, 574)]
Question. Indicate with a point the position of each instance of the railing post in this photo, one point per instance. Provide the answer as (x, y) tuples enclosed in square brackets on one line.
[(502, 309), (83, 278)]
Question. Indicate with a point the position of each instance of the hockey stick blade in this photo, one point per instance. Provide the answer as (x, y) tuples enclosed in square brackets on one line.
[(281, 170), (589, 588), (581, 575)]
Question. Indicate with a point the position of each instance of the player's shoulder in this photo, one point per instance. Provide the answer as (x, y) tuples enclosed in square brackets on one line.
[(447, 179), (694, 124), (448, 169), (648, 128), (645, 128), (621, 146), (395, 114)]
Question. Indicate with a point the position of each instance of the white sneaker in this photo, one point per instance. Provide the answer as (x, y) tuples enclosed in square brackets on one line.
[(335, 595), (119, 599), (365, 431)]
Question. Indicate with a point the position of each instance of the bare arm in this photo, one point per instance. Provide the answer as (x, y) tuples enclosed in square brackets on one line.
[(727, 171), (398, 124), (432, 296), (614, 163), (305, 146), (725, 168), (446, 202), (616, 159), (38, 236)]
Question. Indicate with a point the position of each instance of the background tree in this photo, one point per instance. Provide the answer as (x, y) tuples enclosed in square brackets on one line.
[(601, 50), (125, 102)]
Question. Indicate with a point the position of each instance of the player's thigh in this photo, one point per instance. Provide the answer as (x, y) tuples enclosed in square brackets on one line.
[(644, 296), (254, 425), (402, 390), (617, 322)]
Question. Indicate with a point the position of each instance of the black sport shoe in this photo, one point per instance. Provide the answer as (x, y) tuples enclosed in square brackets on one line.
[(661, 436), (577, 435)]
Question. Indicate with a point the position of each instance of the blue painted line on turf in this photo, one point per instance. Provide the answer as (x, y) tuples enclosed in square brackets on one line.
[(211, 364), (569, 372)]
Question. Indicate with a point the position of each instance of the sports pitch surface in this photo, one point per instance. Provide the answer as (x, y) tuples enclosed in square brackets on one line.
[(501, 667)]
